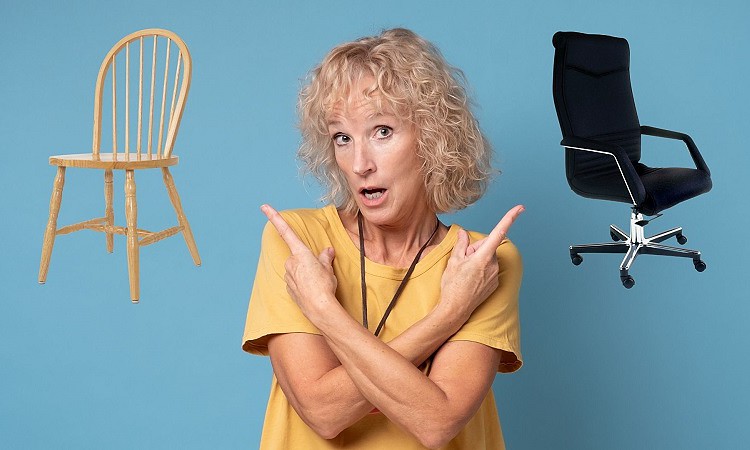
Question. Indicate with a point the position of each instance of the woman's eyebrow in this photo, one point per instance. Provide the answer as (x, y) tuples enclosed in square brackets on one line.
[(370, 118)]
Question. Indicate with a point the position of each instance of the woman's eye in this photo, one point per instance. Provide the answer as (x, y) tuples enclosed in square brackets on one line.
[(341, 139), (384, 132)]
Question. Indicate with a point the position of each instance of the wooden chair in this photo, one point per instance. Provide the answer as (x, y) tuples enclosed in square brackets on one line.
[(161, 67)]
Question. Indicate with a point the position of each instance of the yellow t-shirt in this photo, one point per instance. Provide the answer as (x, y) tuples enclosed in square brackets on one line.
[(272, 311)]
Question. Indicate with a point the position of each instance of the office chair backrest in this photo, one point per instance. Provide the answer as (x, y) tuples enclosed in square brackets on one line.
[(591, 88), (146, 79), (594, 100)]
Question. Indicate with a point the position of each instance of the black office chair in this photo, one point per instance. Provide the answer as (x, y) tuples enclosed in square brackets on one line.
[(602, 140)]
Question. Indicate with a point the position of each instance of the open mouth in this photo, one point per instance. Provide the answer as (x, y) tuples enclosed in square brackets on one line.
[(373, 193)]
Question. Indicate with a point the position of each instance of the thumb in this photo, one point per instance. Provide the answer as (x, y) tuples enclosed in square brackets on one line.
[(326, 257), (462, 242)]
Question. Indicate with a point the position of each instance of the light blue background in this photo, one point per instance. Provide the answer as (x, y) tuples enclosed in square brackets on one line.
[(663, 365)]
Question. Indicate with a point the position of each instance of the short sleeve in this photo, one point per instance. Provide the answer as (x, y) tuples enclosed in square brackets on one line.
[(272, 310), (495, 322)]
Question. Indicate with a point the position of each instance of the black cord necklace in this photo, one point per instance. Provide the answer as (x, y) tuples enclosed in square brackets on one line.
[(400, 286)]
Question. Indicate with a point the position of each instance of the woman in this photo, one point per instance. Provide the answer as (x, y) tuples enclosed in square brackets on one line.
[(367, 353)]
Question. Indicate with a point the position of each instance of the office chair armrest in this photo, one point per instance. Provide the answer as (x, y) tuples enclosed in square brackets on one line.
[(692, 148), (630, 177)]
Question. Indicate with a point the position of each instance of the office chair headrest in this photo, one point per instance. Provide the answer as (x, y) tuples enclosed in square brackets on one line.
[(596, 54)]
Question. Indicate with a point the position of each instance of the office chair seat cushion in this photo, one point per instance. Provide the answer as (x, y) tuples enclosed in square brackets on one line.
[(666, 187), (601, 185)]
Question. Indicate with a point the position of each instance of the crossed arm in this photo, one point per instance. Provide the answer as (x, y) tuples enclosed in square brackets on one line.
[(335, 379)]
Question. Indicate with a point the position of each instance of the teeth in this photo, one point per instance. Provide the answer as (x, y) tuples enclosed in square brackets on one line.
[(373, 195)]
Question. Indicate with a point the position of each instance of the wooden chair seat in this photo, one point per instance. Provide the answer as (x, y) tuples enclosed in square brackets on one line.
[(146, 111), (110, 161)]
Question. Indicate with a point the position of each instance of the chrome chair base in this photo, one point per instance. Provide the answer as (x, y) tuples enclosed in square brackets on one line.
[(637, 244)]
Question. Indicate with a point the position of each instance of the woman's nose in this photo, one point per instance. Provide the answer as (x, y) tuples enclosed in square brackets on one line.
[(363, 162)]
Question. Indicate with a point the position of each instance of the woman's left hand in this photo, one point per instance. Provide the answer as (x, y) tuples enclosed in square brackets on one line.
[(309, 279), (472, 271)]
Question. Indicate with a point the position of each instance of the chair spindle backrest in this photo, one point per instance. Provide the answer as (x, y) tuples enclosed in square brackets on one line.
[(173, 79)]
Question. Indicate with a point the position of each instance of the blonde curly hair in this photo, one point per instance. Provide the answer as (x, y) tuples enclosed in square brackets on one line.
[(413, 80)]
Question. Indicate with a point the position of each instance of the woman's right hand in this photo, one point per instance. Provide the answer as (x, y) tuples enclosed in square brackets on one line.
[(309, 278), (472, 271)]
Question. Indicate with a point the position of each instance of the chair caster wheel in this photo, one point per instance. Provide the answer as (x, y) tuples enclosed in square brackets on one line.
[(576, 259), (682, 240), (627, 281), (700, 266), (614, 236)]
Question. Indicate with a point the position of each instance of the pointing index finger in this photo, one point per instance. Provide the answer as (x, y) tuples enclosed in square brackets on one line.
[(287, 234), (498, 233)]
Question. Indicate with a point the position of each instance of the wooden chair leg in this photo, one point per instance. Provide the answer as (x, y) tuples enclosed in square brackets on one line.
[(51, 230), (109, 213), (131, 216), (187, 233)]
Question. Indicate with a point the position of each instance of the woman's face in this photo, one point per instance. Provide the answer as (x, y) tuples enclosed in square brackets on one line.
[(376, 152)]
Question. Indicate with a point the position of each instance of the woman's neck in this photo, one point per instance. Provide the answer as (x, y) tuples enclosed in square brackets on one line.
[(395, 245)]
